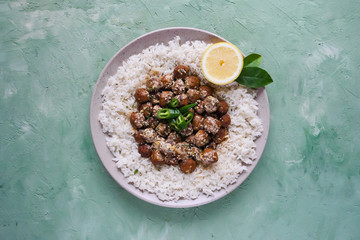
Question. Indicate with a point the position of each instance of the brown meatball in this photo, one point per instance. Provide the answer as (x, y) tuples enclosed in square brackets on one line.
[(145, 150), (222, 107), (178, 87), (151, 122), (173, 138), (193, 95), (167, 149), (210, 104), (187, 131), (205, 91), (153, 84), (211, 145), (190, 139), (187, 166), (155, 109), (157, 158), (225, 120), (199, 108), (192, 82), (137, 120), (195, 153), (163, 129), (209, 156), (181, 150), (198, 122), (138, 138), (146, 109), (201, 138), (167, 81), (212, 125), (142, 95), (183, 99), (171, 161), (221, 135), (149, 135), (154, 98), (181, 71), (165, 98)]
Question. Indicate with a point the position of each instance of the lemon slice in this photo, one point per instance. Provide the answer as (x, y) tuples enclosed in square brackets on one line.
[(222, 63)]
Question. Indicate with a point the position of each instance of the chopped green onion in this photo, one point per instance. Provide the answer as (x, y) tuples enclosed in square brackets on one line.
[(188, 117), (167, 113), (181, 122), (173, 103), (186, 108)]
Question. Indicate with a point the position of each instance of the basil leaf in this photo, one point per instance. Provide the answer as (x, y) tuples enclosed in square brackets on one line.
[(252, 60), (254, 77)]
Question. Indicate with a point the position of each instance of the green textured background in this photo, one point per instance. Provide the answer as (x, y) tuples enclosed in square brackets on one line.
[(52, 183)]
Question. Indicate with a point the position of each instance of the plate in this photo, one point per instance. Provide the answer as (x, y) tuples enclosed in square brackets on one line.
[(135, 47)]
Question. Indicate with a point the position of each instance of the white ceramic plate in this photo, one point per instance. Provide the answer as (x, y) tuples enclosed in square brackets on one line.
[(135, 47)]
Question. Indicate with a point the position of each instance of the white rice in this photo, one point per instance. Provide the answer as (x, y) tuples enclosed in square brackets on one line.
[(168, 182)]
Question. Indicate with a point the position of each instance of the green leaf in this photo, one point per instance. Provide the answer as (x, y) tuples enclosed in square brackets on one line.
[(252, 60), (136, 171), (254, 77)]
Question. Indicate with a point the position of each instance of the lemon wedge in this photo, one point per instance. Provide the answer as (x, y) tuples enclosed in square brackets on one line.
[(222, 63)]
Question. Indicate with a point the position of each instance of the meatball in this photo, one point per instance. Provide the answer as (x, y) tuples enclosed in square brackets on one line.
[(181, 150), (145, 150), (199, 108), (187, 131), (165, 98), (163, 129), (209, 156), (167, 149), (192, 82), (187, 166), (153, 84), (155, 109), (149, 135), (171, 161), (178, 87), (193, 95), (157, 158), (190, 139), (138, 138), (201, 138), (142, 95), (146, 109), (173, 138), (211, 145), (210, 104), (221, 135), (212, 125), (181, 71), (167, 81), (205, 91), (225, 120), (154, 98), (222, 108), (198, 122), (183, 99), (137, 120), (195, 153), (151, 122)]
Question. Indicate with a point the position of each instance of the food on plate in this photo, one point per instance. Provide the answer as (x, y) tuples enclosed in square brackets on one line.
[(177, 117), (207, 147)]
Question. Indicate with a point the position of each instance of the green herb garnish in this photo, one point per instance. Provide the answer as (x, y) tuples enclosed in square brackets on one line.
[(136, 171), (251, 75)]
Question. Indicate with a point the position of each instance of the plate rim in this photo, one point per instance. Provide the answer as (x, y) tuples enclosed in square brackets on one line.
[(139, 193)]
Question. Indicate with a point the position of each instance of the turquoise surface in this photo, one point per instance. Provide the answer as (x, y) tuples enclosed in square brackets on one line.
[(52, 183)]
